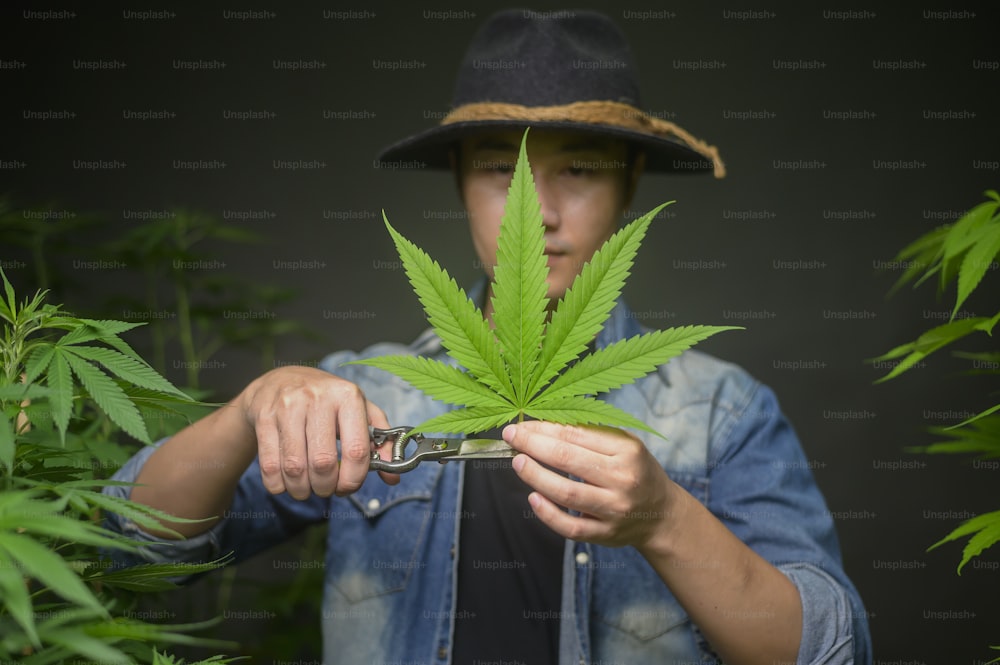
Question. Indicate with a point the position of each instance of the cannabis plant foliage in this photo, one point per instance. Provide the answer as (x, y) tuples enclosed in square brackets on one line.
[(68, 385), (515, 369), (960, 253)]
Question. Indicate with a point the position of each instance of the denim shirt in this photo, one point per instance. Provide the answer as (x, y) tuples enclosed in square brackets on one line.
[(390, 590)]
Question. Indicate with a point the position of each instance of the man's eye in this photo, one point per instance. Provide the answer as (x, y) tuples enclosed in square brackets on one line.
[(579, 171), (500, 166)]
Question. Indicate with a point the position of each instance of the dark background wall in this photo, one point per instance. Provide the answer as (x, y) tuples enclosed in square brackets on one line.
[(847, 132)]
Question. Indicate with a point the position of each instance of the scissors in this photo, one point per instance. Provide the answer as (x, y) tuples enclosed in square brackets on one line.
[(439, 449)]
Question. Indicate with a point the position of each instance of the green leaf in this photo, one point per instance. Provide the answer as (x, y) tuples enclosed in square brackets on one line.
[(60, 383), (455, 318), (147, 578), (624, 361), (49, 568), (519, 286), (982, 414), (112, 399), (87, 330), (985, 531), (8, 446), (11, 298), (468, 421), (442, 382), (976, 262), (932, 340), (38, 361), (509, 372), (920, 255), (18, 392), (965, 231), (588, 302), (78, 642), (15, 598), (129, 369), (586, 411), (144, 516)]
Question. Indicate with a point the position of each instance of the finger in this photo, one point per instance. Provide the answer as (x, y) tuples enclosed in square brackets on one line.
[(603, 440), (574, 527), (321, 449), (355, 441), (568, 493), (557, 452), (268, 454), (377, 418), (292, 448)]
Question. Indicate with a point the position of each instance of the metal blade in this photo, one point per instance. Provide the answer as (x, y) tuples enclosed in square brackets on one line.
[(484, 449)]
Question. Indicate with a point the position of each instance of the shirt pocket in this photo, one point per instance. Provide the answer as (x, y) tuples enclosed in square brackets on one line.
[(378, 537), (629, 596)]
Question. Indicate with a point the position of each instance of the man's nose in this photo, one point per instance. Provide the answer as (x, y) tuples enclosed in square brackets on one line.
[(548, 201)]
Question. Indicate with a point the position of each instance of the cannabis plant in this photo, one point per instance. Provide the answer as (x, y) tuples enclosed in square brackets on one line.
[(960, 253), (68, 387), (516, 367)]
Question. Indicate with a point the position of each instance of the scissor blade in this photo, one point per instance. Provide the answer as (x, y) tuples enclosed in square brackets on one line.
[(483, 449)]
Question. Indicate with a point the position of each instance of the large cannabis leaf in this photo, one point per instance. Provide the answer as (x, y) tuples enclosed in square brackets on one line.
[(513, 370)]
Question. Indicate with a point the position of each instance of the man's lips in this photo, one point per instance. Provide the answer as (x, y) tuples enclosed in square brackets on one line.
[(556, 248)]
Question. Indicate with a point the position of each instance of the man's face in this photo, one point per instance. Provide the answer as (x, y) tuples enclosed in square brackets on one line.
[(582, 184)]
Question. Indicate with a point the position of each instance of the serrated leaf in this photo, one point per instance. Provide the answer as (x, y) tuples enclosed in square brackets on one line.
[(587, 303), (127, 368), (624, 361), (586, 411), (964, 232), (37, 362), (985, 531), (11, 304), (976, 262), (918, 256), (933, 340), (78, 642), (982, 414), (22, 512), (528, 355), (467, 421), (112, 400), (146, 578), (8, 445), (19, 392), (97, 329), (49, 568), (519, 279), (456, 319), (60, 384), (144, 516), (15, 598), (442, 382)]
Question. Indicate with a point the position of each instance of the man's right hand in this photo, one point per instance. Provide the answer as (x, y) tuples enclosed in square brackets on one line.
[(290, 418), (296, 415)]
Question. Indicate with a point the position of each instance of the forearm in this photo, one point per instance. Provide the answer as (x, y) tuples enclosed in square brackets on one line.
[(749, 611), (194, 474)]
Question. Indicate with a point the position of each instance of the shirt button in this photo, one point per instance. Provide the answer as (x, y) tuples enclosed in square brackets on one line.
[(442, 653), (374, 504), (582, 558)]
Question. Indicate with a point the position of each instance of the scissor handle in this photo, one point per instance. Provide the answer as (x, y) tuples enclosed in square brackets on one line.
[(399, 440), (427, 449)]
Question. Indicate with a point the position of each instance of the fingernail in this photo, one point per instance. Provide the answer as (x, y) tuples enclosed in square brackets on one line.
[(518, 463), (508, 432)]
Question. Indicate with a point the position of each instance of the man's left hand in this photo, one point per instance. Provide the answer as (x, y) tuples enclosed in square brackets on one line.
[(625, 496)]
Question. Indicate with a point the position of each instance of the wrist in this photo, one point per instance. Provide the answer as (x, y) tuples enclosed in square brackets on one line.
[(667, 533)]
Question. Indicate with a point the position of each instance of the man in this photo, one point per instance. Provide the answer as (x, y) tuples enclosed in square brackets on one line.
[(594, 545)]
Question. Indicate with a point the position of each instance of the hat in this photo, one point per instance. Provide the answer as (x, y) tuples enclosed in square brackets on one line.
[(560, 70)]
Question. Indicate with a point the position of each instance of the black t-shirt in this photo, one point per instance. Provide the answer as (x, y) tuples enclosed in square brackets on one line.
[(509, 571)]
